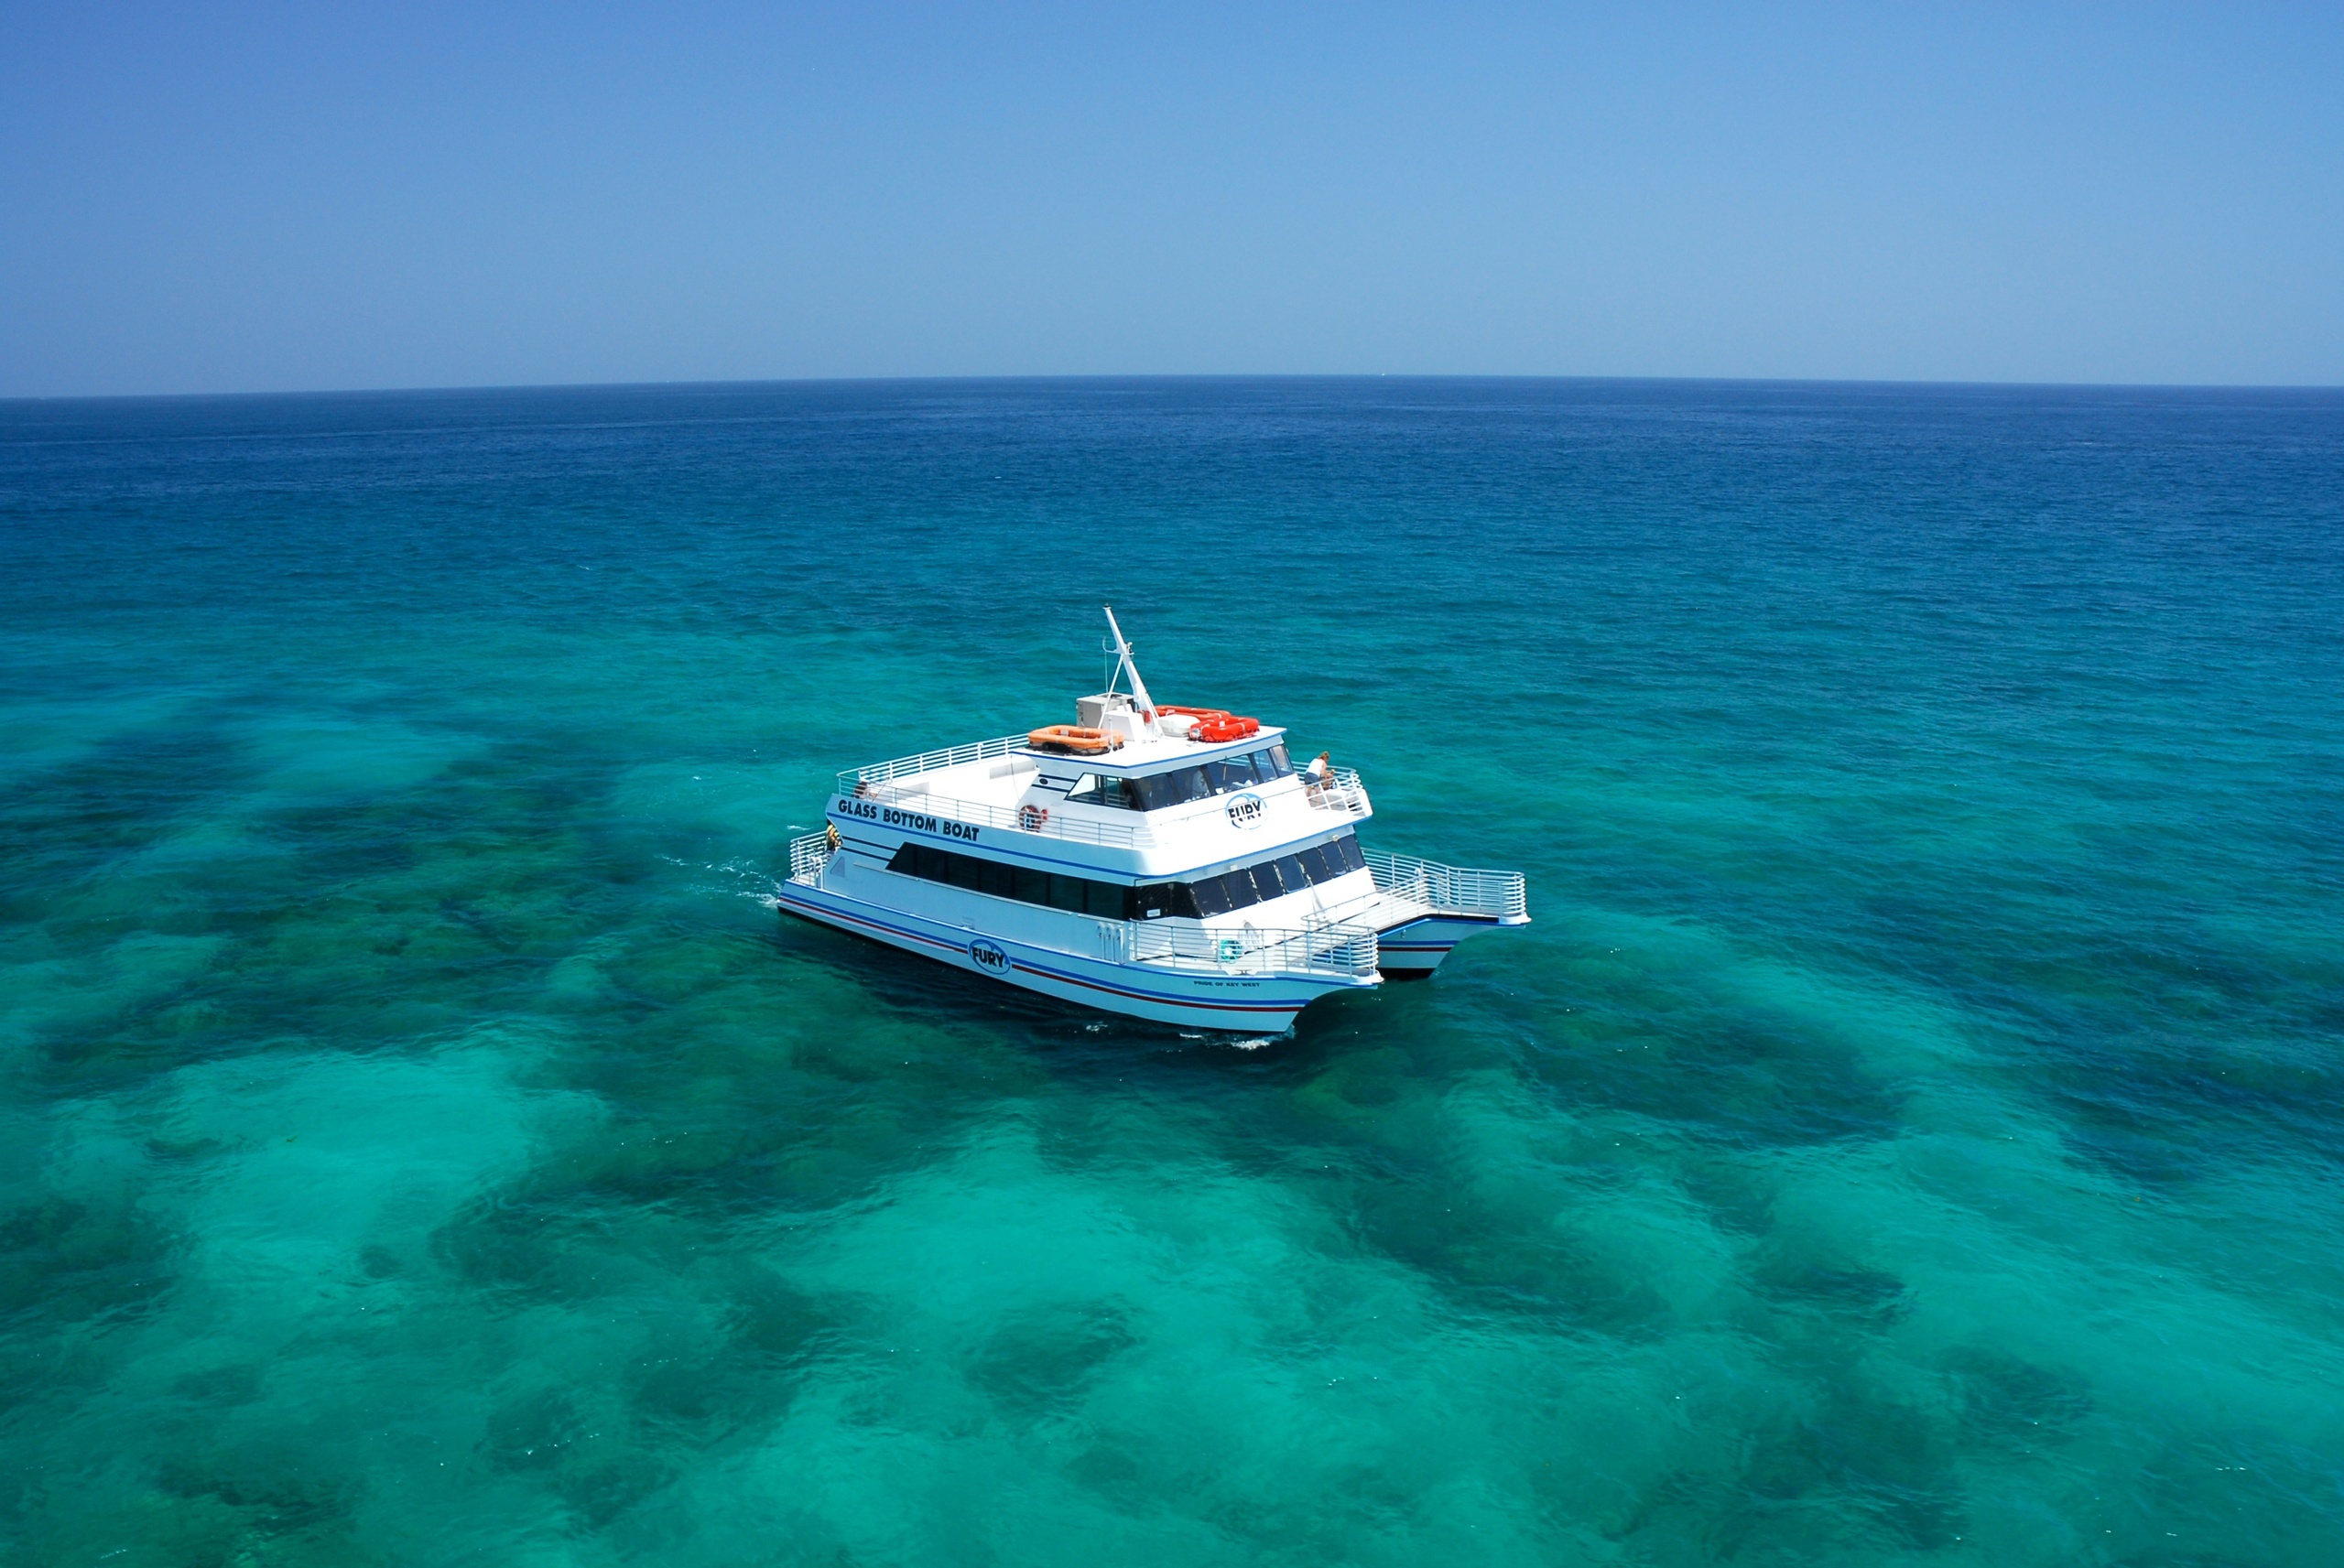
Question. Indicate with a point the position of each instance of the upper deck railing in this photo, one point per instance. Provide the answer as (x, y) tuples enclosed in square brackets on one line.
[(1341, 793), (1454, 890), (928, 762), (1025, 820)]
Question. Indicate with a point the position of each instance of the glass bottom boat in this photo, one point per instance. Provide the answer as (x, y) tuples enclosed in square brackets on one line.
[(1171, 863)]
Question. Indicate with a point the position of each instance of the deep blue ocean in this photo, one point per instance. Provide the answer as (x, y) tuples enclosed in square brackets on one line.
[(1912, 1130)]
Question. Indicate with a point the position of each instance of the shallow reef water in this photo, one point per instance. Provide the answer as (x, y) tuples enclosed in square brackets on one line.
[(1911, 1131)]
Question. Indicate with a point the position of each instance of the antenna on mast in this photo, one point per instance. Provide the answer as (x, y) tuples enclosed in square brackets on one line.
[(1139, 688)]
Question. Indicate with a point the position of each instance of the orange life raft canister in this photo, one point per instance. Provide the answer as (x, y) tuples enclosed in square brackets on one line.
[(1072, 738)]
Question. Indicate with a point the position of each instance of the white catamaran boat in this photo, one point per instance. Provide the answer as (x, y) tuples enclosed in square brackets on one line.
[(1167, 863)]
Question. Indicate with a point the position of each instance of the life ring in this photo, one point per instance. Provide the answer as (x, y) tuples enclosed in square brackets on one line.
[(1031, 817), (1072, 738), (1217, 724)]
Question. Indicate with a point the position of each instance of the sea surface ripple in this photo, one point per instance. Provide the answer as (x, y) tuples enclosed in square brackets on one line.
[(1911, 1131)]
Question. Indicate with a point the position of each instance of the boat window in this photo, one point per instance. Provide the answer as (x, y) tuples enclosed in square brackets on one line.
[(1236, 773), (1161, 899), (1239, 889), (1152, 793), (980, 874), (1272, 763), (1189, 784), (1100, 789), (1213, 896)]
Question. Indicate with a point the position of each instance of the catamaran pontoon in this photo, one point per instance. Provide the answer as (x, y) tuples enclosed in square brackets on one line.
[(1166, 863)]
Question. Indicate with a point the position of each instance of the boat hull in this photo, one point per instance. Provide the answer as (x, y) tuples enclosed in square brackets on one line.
[(1252, 1004), (1414, 950)]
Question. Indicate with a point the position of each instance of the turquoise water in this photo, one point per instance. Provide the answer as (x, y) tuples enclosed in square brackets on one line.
[(1912, 1130)]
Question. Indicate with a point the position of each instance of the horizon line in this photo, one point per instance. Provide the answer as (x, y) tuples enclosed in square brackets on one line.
[(1188, 376)]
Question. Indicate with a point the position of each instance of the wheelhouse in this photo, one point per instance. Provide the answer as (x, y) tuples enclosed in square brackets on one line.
[(1180, 784)]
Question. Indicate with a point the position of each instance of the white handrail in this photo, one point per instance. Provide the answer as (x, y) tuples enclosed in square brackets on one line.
[(928, 762), (1025, 820), (1341, 792), (1348, 950), (1457, 890), (809, 855)]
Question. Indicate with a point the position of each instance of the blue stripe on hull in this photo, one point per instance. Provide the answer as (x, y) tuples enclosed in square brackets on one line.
[(1050, 980), (1417, 947)]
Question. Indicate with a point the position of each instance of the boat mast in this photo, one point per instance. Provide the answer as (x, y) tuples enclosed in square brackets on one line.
[(1139, 686)]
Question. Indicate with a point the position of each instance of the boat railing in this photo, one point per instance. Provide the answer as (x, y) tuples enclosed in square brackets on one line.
[(928, 762), (1456, 889), (809, 855), (1022, 818), (1346, 950), (1340, 792)]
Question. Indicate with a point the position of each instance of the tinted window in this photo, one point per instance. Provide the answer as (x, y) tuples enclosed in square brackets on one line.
[(1153, 793), (1030, 886), (1066, 893), (1086, 789), (997, 879), (1290, 870), (1189, 784), (964, 870), (1213, 896), (1348, 846), (1279, 764), (1265, 879), (1236, 773)]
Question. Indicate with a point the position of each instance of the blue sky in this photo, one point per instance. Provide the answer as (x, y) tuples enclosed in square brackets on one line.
[(253, 197)]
